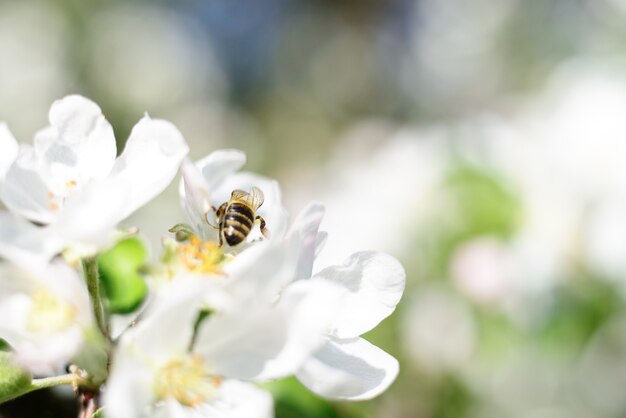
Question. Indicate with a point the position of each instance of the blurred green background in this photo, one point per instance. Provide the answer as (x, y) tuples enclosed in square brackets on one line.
[(481, 142)]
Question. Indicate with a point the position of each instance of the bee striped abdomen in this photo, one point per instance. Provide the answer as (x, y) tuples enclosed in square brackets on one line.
[(238, 221)]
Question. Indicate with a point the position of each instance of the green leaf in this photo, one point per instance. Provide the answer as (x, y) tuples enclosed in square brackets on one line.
[(579, 310), (98, 414), (121, 283), (14, 380), (453, 399), (182, 232), (4, 346), (202, 315), (293, 400)]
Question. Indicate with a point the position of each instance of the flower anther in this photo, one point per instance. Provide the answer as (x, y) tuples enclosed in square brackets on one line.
[(186, 380), (58, 197), (49, 314), (199, 256)]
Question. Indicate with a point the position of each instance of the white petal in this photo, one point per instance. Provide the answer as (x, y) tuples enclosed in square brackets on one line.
[(238, 400), (304, 231), (200, 179), (320, 242), (170, 408), (166, 327), (149, 162), (50, 356), (310, 306), (129, 388), (78, 124), (237, 345), (151, 158), (90, 217), (258, 274), (218, 165), (375, 282), (273, 211), (25, 191), (349, 370), (21, 240), (273, 341), (8, 149), (195, 199), (233, 400), (74, 115)]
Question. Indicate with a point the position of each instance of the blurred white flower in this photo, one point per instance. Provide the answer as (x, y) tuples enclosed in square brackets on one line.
[(605, 244), (439, 331), (140, 46), (378, 188), (546, 238), (47, 312), (561, 155), (482, 269), (586, 139), (71, 182), (504, 276), (579, 121)]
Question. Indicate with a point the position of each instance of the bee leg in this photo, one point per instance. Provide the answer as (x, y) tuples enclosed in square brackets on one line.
[(218, 214), (264, 230)]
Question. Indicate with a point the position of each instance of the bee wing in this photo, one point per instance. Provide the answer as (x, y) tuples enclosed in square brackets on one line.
[(256, 197), (239, 195)]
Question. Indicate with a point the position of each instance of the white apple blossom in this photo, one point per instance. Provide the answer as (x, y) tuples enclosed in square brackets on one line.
[(204, 187), (46, 313), (240, 286), (156, 372), (70, 181), (347, 366)]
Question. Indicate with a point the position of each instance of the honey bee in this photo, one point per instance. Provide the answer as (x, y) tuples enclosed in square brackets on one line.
[(237, 216)]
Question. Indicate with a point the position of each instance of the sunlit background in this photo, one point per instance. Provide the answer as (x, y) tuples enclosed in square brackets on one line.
[(481, 142)]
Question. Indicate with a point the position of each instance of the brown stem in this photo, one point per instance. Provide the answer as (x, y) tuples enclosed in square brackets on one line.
[(88, 404)]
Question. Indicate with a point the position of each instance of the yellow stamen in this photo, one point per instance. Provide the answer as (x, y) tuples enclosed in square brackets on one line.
[(200, 257), (49, 314), (186, 380)]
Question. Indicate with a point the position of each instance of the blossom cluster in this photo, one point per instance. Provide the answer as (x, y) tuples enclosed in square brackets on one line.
[(208, 320)]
